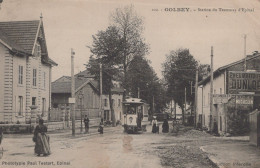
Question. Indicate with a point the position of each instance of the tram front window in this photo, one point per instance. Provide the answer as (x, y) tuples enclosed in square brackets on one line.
[(131, 110)]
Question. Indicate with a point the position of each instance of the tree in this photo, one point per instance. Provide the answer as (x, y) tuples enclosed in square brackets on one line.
[(130, 27), (120, 43), (107, 77), (179, 70), (141, 77)]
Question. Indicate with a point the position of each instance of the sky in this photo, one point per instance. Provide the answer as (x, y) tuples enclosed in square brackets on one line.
[(71, 24)]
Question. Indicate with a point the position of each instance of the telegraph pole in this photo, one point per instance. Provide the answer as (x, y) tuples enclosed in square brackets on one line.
[(184, 106), (138, 92), (101, 89), (196, 97), (245, 52), (211, 89), (72, 92)]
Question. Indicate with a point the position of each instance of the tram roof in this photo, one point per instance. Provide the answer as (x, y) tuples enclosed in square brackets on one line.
[(134, 100)]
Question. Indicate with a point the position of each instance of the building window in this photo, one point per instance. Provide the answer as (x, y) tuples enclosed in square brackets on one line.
[(38, 50), (43, 106), (44, 80), (34, 77), (20, 104), (214, 91), (119, 102), (20, 81), (105, 102), (33, 101), (220, 90)]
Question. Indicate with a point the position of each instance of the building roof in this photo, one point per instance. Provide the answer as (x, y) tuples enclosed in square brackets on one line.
[(21, 36), (63, 84), (217, 72), (9, 43), (22, 33)]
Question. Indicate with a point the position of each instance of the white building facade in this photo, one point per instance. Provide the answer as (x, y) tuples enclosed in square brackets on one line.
[(25, 71)]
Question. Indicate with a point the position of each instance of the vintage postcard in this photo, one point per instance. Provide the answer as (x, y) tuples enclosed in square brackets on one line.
[(129, 84)]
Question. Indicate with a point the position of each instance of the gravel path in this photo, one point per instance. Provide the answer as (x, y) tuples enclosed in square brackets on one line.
[(182, 150)]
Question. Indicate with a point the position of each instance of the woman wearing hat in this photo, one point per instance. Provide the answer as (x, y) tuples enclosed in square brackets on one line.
[(41, 139)]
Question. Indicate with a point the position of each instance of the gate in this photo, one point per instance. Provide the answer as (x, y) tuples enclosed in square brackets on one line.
[(254, 120)]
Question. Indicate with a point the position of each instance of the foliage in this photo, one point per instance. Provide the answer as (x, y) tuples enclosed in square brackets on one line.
[(179, 70), (238, 122), (107, 77), (129, 28), (141, 75), (118, 45), (179, 73)]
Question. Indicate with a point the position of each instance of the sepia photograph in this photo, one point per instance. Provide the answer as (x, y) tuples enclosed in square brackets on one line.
[(129, 84)]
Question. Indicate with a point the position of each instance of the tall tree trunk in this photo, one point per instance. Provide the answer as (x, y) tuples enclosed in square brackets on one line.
[(113, 118), (125, 84)]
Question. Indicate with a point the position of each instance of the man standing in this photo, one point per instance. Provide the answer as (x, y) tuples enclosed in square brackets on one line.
[(86, 122)]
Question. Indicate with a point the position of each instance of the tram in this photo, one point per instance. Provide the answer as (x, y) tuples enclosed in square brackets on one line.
[(135, 113)]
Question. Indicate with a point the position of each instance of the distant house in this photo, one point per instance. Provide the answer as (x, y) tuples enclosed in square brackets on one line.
[(117, 98), (236, 93), (87, 96), (25, 71)]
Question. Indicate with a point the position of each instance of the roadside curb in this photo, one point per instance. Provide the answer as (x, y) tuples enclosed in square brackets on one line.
[(211, 159)]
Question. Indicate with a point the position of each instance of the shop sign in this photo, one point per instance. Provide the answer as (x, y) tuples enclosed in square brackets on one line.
[(221, 98), (244, 99), (243, 81)]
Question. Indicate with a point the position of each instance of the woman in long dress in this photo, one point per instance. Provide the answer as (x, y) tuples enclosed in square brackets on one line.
[(165, 126), (154, 125), (41, 139)]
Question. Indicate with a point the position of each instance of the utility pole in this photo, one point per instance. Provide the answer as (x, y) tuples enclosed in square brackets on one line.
[(175, 115), (153, 104), (101, 91), (211, 89), (245, 52), (184, 106), (171, 106), (196, 98), (138, 92), (72, 92), (191, 88)]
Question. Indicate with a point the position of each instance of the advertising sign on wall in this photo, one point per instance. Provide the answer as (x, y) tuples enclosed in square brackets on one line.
[(246, 100), (221, 98), (243, 81)]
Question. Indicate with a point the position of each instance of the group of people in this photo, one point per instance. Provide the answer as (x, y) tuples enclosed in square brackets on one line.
[(155, 126)]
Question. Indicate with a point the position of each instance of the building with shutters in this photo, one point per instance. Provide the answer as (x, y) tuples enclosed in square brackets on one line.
[(25, 71)]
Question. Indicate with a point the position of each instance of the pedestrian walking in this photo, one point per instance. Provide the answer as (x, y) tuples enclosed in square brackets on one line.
[(155, 126), (165, 126), (101, 127), (41, 139), (86, 122)]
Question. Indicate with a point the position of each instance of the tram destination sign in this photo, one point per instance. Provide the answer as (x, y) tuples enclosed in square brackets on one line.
[(243, 81)]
